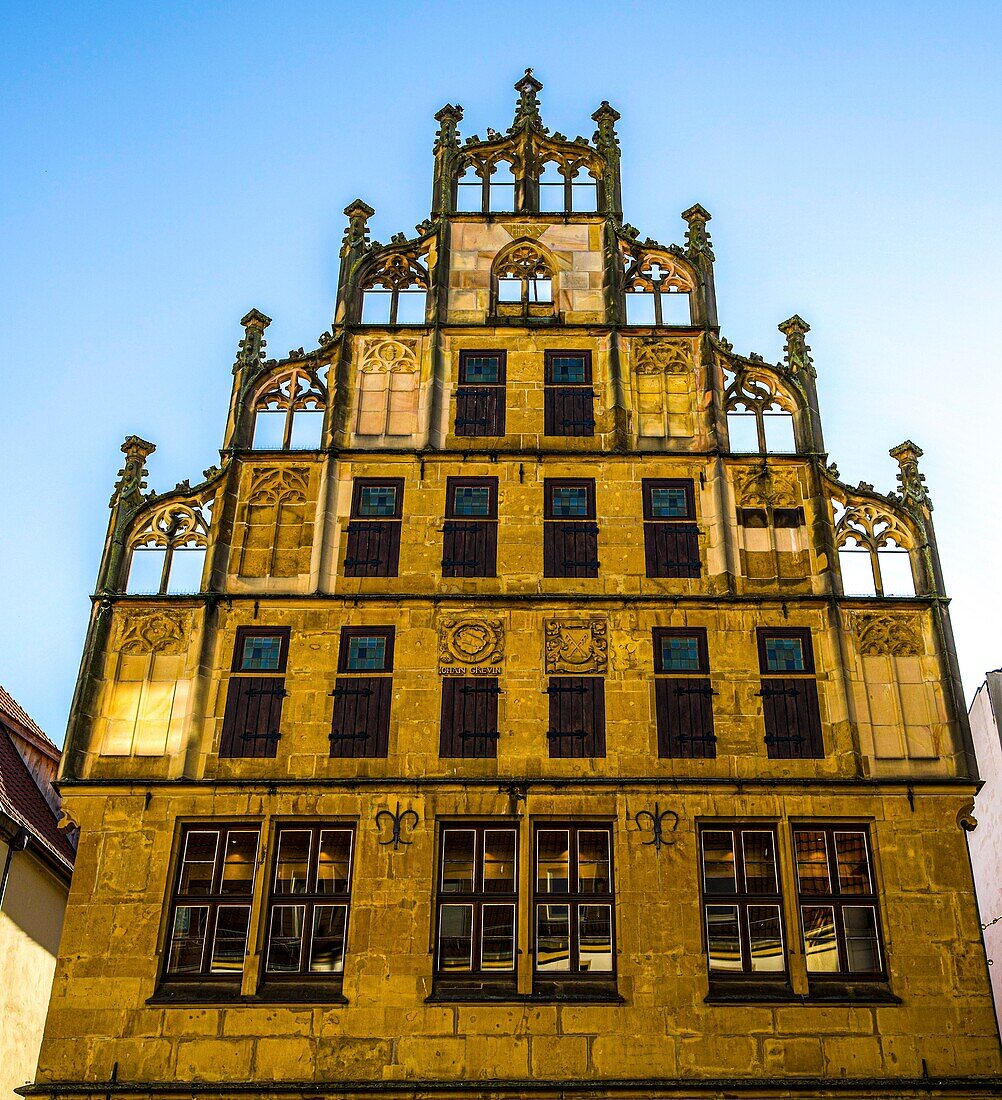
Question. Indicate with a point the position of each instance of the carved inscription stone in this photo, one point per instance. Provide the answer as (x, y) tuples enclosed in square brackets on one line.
[(470, 647), (578, 646), (880, 635)]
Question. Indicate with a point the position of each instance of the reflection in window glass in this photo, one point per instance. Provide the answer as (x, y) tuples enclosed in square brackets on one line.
[(718, 863), (853, 863), (723, 943), (765, 933), (498, 939), (238, 865), (593, 862), (334, 863), (285, 939), (499, 861), (552, 861), (198, 863), (327, 948), (553, 943), (293, 862), (812, 862), (187, 939), (861, 947), (759, 851), (594, 938), (820, 945), (455, 943), (230, 940), (458, 862)]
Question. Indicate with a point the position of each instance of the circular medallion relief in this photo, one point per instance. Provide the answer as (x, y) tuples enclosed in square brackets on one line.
[(474, 641)]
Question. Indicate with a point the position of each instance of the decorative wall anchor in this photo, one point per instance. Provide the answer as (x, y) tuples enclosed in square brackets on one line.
[(397, 818), (657, 818)]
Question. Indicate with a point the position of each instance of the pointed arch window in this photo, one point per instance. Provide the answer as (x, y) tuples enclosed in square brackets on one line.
[(567, 189), (168, 550), (657, 291), (395, 292), (759, 415), (486, 187), (873, 552), (523, 283), (289, 411)]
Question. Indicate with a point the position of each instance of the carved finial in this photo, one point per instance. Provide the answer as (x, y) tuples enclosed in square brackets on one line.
[(448, 120), (798, 353), (527, 108), (697, 240), (357, 233), (605, 138), (251, 349), (132, 477), (911, 481)]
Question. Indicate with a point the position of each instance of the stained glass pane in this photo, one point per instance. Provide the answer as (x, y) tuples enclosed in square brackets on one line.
[(568, 370), (471, 500), (784, 655), (483, 369), (377, 500), (669, 503), (261, 654), (680, 654), (367, 654), (570, 502)]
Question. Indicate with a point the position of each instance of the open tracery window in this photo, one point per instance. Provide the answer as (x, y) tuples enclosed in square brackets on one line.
[(210, 911), (289, 411), (168, 548), (838, 901), (523, 283), (310, 896), (671, 537), (363, 691), (252, 721), (657, 291), (485, 187), (759, 414), (568, 397), (395, 292), (574, 936), (373, 544), (873, 552), (789, 693), (476, 908), (683, 694), (742, 903), (480, 396), (566, 188)]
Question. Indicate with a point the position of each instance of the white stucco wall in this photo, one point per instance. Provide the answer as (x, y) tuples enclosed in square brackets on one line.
[(31, 919)]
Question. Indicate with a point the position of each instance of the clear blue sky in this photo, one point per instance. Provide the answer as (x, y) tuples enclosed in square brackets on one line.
[(168, 166)]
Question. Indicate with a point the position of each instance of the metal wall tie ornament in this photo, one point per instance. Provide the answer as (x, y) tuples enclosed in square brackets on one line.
[(657, 818), (397, 818)]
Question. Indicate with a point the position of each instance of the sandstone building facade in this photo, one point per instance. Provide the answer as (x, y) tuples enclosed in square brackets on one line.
[(524, 706)]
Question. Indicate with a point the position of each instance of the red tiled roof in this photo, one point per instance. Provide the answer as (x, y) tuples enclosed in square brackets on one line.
[(20, 797), (10, 707)]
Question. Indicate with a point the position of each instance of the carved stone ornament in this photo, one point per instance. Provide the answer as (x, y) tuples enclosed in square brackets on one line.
[(517, 230), (885, 635), (768, 486), (272, 485), (467, 647), (664, 357), (381, 353), (577, 646), (154, 632)]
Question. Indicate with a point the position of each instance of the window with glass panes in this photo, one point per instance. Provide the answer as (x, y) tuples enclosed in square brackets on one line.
[(838, 901), (568, 397), (480, 396), (742, 901), (671, 537), (570, 533), (373, 546), (470, 531), (309, 899), (573, 903), (210, 905), (363, 690), (252, 718), (476, 906), (789, 694), (683, 694)]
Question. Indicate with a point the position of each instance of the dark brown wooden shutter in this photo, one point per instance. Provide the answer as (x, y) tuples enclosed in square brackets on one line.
[(671, 549), (361, 722), (469, 716), (569, 410), (577, 716), (469, 548), (373, 548), (253, 716), (792, 717), (480, 410), (685, 717), (570, 548)]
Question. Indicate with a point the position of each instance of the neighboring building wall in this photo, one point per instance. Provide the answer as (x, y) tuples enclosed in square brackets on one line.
[(31, 919), (986, 841)]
